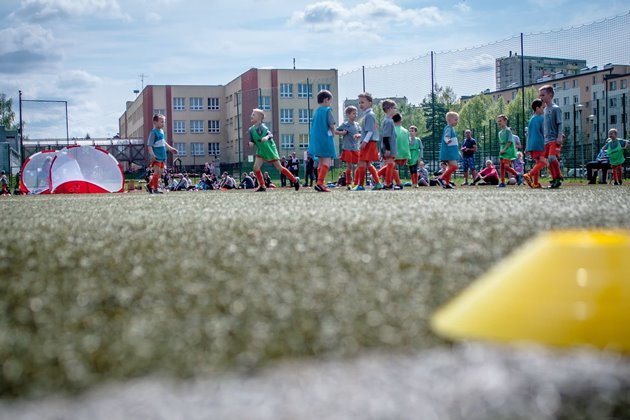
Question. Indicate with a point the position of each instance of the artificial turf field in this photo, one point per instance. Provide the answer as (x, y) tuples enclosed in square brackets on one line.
[(111, 287)]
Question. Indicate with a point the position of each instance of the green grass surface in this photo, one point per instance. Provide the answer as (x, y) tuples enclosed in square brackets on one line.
[(100, 287)]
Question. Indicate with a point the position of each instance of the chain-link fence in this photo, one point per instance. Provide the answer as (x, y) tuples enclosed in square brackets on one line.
[(590, 78)]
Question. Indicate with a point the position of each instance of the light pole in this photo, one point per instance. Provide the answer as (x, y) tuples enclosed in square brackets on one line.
[(591, 118), (575, 108)]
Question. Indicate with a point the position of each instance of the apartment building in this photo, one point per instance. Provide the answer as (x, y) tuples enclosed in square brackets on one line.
[(509, 69), (211, 122), (592, 102)]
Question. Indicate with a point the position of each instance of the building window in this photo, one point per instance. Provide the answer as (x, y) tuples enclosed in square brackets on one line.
[(576, 83), (159, 112), (594, 95), (303, 116), (624, 84), (323, 86), (565, 85), (613, 85), (303, 141), (305, 91), (286, 141), (214, 126), (613, 119), (565, 100), (196, 126), (264, 103), (286, 90), (556, 101), (196, 149), (576, 99), (181, 148), (213, 104), (179, 104), (567, 116), (594, 79), (613, 103), (214, 149), (196, 104), (286, 116), (179, 126)]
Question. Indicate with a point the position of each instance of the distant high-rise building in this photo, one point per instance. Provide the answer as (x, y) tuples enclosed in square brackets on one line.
[(508, 69)]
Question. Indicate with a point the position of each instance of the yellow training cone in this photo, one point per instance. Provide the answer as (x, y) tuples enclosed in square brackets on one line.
[(562, 288)]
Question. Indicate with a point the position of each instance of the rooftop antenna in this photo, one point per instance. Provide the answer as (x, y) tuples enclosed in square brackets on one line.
[(293, 63), (142, 76)]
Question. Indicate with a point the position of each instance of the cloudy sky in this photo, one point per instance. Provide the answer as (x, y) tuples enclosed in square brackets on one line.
[(91, 53)]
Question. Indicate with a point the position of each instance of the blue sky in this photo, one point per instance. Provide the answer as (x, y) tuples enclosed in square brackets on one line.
[(91, 52)]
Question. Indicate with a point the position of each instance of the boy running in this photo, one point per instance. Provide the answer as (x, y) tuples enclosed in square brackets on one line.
[(261, 137)]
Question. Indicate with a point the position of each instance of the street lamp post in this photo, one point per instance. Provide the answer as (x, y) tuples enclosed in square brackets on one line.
[(575, 113)]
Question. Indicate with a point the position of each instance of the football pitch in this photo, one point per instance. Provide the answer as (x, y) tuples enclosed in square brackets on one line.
[(99, 288)]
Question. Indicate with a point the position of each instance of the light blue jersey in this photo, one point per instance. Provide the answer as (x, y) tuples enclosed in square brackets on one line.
[(535, 134), (157, 142)]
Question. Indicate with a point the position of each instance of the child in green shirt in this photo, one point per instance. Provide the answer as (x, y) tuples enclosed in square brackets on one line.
[(507, 152), (261, 137)]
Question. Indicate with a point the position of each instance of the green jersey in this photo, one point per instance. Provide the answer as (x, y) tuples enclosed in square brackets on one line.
[(402, 142), (614, 151), (266, 150), (505, 136), (414, 151)]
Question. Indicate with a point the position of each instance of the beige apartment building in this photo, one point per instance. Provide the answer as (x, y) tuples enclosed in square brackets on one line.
[(592, 102), (210, 123)]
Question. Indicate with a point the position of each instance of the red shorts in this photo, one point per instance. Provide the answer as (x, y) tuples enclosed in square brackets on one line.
[(350, 156), (369, 153), (159, 164), (505, 162), (552, 149), (401, 162), (536, 154)]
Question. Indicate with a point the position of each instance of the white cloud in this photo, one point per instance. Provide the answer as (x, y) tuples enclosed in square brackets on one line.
[(77, 81), (41, 10), (26, 48), (332, 14), (153, 17), (462, 7), (479, 63)]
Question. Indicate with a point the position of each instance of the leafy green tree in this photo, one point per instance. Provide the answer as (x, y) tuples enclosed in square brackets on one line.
[(7, 116)]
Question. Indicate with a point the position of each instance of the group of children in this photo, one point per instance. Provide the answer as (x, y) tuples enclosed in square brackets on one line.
[(399, 147)]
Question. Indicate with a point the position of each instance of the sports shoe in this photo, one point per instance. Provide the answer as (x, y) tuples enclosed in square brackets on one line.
[(556, 183), (449, 186), (536, 186), (388, 187), (377, 187), (398, 187), (441, 182), (261, 189), (296, 184), (359, 188), (465, 183), (321, 188), (501, 185), (149, 189), (528, 180)]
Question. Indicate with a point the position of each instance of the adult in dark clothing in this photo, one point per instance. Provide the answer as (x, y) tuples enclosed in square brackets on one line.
[(600, 163), (293, 165), (309, 176), (283, 178)]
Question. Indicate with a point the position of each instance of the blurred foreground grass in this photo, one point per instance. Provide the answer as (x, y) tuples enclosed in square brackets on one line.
[(103, 287)]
